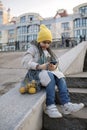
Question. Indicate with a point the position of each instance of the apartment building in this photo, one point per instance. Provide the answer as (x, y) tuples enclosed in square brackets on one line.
[(80, 21), (4, 20), (23, 29), (4, 14)]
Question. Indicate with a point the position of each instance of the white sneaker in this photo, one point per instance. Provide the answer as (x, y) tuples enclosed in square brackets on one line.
[(52, 111), (71, 107)]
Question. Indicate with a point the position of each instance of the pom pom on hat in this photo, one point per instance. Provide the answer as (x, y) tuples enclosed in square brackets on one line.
[(44, 34)]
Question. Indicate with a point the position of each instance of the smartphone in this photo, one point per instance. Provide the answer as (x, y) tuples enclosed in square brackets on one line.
[(53, 62)]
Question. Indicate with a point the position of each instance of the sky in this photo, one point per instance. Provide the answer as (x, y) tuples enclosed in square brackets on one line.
[(46, 8)]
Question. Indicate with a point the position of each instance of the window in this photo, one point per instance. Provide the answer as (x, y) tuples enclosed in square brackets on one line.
[(24, 29), (11, 40), (19, 38), (83, 32), (29, 38), (77, 23), (11, 31), (80, 32), (77, 33), (48, 26), (30, 29), (65, 26), (83, 10), (23, 19), (18, 30), (23, 38), (83, 22), (34, 36), (30, 17), (80, 22), (66, 34), (33, 28)]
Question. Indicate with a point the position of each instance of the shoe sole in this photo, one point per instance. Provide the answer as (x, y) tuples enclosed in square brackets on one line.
[(53, 116)]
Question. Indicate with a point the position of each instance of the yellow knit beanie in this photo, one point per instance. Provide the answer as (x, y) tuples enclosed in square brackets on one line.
[(44, 34)]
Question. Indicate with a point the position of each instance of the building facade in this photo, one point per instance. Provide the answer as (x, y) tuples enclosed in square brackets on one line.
[(4, 14), (23, 29), (80, 21)]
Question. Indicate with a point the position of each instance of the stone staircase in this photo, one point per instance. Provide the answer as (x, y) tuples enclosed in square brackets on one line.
[(76, 121), (24, 112), (77, 85)]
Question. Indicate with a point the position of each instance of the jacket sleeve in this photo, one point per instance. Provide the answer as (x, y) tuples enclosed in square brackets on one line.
[(28, 59)]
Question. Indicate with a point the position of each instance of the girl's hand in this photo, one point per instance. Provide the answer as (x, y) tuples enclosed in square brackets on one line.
[(42, 67), (52, 67)]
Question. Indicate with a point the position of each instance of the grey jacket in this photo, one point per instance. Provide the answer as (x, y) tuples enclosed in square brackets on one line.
[(30, 61)]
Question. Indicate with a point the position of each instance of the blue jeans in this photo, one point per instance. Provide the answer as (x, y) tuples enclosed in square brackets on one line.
[(62, 87)]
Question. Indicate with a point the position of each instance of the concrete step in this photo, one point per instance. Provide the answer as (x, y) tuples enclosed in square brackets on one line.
[(76, 121), (76, 82), (78, 75), (77, 95), (21, 112)]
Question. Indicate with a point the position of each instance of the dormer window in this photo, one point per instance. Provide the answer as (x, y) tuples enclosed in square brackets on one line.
[(30, 17)]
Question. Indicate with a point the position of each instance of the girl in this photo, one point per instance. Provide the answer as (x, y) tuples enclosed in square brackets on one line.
[(42, 65)]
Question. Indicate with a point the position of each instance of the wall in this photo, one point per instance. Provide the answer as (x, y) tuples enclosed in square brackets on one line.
[(72, 62)]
